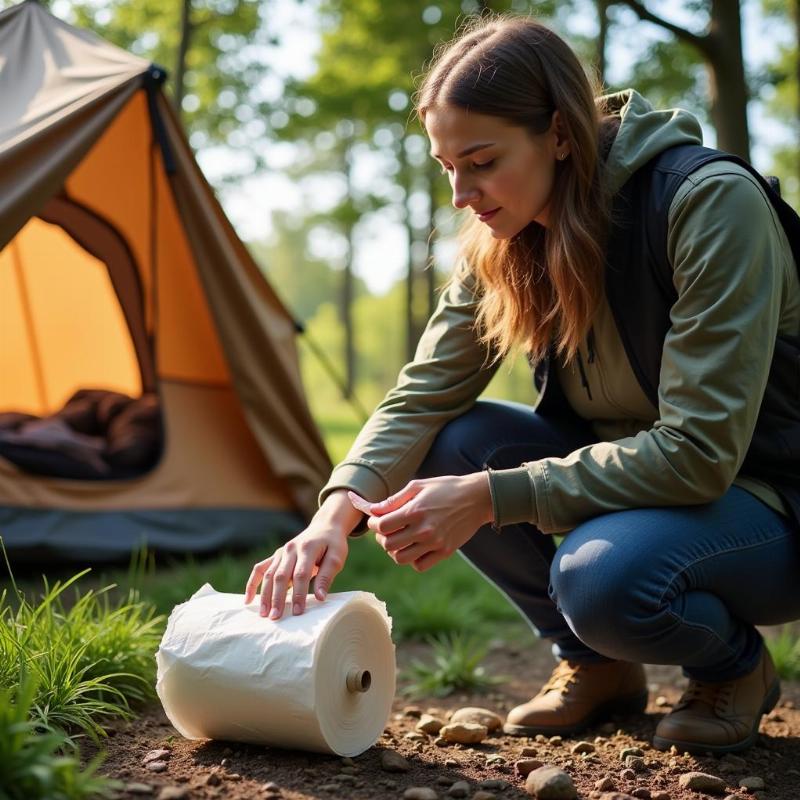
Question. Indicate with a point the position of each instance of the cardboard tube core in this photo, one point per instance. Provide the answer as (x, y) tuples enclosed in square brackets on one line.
[(358, 680)]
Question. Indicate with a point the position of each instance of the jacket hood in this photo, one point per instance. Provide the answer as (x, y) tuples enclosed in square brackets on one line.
[(643, 133)]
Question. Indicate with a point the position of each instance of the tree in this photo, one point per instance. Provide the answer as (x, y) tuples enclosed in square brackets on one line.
[(720, 47)]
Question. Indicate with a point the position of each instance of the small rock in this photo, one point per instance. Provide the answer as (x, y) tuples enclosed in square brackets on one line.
[(138, 788), (660, 796), (414, 736), (420, 793), (641, 793), (555, 740), (662, 701), (459, 789), (464, 732), (212, 779), (628, 775), (156, 755), (429, 724), (234, 777), (494, 783), (347, 762), (174, 793), (272, 788), (525, 766), (582, 747), (451, 762), (483, 795), (734, 760), (527, 752), (605, 784), (702, 782), (735, 797), (614, 796), (225, 762), (550, 783), (495, 760), (440, 741), (478, 716), (392, 761), (157, 766), (343, 777), (630, 751), (636, 763), (412, 711), (752, 783)]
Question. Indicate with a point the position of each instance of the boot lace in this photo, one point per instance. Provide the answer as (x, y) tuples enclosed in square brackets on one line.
[(563, 675), (717, 696)]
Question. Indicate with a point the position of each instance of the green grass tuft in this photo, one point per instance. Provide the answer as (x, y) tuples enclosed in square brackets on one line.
[(785, 652), (456, 667)]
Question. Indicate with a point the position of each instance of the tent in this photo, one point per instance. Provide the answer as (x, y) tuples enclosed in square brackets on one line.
[(120, 274)]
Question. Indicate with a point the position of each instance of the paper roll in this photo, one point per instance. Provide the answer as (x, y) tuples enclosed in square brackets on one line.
[(323, 680)]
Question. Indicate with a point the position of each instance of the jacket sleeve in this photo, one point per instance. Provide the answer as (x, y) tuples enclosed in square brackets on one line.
[(443, 381), (731, 263)]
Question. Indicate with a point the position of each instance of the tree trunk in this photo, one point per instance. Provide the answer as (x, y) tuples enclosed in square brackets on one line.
[(602, 37), (347, 286), (727, 78), (430, 238), (183, 49), (797, 69), (405, 178)]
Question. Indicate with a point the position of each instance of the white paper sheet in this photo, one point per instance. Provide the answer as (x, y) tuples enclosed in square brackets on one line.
[(225, 672)]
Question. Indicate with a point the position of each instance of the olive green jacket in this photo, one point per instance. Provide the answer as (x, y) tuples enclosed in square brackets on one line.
[(737, 287)]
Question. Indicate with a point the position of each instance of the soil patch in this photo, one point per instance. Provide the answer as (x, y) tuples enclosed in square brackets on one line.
[(211, 770)]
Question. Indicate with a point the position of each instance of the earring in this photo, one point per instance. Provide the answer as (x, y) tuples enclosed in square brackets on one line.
[(562, 156)]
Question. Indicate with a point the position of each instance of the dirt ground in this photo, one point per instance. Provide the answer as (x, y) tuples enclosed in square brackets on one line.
[(220, 770)]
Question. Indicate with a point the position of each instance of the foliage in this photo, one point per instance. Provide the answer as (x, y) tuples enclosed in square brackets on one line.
[(456, 666), (89, 660), (785, 651), (39, 763)]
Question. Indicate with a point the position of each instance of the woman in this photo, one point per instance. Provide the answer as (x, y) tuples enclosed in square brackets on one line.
[(665, 436)]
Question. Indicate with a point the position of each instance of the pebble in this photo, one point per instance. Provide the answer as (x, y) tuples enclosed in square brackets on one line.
[(156, 755), (550, 783), (157, 766), (478, 716), (751, 783), (213, 779), (662, 701), (582, 747), (702, 782), (555, 740), (412, 711), (495, 760), (394, 762), (526, 765), (661, 796), (734, 760), (641, 793), (138, 788), (459, 789), (272, 788), (174, 793), (494, 783), (604, 784), (630, 751), (420, 793), (529, 751), (464, 732), (451, 762), (414, 736), (429, 724), (636, 763), (615, 796), (628, 775)]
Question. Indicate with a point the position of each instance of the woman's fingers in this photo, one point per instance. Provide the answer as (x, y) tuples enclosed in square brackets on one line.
[(254, 580), (281, 578), (429, 560), (330, 566), (303, 572)]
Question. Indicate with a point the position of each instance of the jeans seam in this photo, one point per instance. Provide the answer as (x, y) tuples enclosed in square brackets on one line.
[(700, 626)]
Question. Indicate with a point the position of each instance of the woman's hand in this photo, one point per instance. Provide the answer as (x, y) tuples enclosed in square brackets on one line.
[(321, 550), (431, 518)]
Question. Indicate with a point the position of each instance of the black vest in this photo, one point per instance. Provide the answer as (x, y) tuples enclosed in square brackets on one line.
[(640, 293)]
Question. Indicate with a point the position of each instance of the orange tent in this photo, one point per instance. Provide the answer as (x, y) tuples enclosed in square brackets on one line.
[(119, 271)]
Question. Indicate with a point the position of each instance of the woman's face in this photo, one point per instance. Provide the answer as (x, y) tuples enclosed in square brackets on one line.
[(499, 170)]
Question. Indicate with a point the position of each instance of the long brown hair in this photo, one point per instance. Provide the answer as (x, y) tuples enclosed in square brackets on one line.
[(543, 285)]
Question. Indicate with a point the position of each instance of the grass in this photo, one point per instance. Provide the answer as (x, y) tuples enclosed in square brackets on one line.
[(456, 667), (40, 763), (785, 651), (89, 659)]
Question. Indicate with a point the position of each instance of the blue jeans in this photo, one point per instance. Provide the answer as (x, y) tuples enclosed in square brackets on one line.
[(670, 585)]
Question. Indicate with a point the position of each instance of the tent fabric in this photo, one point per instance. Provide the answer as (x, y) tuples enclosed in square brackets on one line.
[(120, 271)]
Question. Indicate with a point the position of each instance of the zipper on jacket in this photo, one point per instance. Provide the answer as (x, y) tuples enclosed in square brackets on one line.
[(584, 380)]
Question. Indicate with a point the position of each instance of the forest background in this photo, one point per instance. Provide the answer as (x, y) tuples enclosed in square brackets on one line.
[(300, 112)]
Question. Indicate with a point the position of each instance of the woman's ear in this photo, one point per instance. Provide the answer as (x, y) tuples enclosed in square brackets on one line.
[(559, 133)]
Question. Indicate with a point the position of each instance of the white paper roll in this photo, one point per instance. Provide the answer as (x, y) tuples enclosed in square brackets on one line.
[(321, 681)]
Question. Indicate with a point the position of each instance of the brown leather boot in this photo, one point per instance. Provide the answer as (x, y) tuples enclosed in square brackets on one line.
[(578, 694), (721, 717)]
